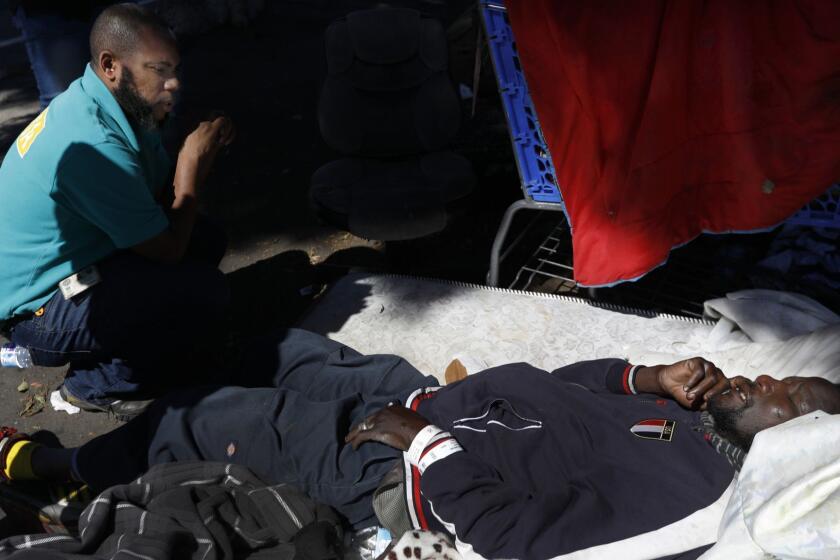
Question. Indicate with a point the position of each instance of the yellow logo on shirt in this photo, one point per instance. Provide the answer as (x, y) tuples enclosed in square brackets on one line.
[(31, 132)]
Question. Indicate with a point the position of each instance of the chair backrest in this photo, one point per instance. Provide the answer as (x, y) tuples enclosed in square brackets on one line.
[(387, 91)]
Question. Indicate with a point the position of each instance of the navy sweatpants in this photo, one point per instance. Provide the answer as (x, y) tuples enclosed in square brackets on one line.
[(290, 433)]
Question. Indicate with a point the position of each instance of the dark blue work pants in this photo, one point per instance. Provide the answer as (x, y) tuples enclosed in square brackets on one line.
[(132, 334)]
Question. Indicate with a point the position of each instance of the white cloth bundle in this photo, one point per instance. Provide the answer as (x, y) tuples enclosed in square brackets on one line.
[(786, 503)]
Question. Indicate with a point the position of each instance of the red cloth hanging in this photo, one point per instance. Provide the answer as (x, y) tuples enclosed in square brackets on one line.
[(668, 118)]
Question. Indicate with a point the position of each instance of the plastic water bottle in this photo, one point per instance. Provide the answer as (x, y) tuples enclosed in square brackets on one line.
[(15, 356)]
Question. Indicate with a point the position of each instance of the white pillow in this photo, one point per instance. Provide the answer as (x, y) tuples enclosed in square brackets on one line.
[(786, 503)]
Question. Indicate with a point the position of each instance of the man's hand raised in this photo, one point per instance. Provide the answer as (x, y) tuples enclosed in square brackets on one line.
[(200, 149), (690, 382), (393, 425), (194, 163)]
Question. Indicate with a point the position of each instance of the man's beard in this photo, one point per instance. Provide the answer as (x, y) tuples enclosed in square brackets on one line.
[(726, 424), (138, 110)]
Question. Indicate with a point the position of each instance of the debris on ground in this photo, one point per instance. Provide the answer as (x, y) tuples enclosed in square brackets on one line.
[(58, 403), (35, 402), (23, 387)]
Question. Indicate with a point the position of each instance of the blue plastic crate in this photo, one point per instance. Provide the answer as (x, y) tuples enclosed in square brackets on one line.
[(539, 181), (823, 211)]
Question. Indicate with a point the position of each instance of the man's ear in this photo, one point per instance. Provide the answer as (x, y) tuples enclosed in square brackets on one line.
[(108, 66)]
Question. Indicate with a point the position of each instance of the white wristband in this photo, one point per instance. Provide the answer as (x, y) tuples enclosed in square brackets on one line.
[(423, 438), (440, 451)]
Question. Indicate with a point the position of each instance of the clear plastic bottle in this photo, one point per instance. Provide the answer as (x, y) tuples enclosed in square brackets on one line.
[(15, 356)]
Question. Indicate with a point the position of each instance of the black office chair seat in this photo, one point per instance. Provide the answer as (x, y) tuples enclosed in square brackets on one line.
[(391, 200)]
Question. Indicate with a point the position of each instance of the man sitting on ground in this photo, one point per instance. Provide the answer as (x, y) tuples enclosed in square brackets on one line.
[(96, 268), (515, 462)]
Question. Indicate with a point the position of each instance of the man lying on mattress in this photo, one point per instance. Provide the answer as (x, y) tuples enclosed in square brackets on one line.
[(603, 457)]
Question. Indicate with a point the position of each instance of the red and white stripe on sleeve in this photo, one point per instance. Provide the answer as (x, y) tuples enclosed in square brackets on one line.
[(628, 379)]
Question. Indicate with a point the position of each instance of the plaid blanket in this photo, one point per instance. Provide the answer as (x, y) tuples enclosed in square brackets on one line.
[(203, 511)]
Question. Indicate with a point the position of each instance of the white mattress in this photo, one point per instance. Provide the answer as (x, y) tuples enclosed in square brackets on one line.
[(429, 322)]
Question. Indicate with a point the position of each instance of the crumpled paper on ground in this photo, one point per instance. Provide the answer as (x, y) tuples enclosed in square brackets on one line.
[(58, 403)]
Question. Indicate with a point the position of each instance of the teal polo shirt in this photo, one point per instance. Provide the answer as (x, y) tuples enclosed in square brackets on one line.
[(78, 183)]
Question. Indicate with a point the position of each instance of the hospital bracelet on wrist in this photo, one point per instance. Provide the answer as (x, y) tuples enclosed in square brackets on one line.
[(437, 450), (431, 444), (420, 441)]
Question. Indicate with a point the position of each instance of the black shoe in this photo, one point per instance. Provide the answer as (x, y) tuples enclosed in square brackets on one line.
[(38, 506), (122, 410)]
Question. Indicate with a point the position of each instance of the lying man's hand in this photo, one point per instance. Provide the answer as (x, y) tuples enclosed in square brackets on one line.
[(690, 382), (393, 425)]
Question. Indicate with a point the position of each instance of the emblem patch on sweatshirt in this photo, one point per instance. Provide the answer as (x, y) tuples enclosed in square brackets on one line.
[(654, 428)]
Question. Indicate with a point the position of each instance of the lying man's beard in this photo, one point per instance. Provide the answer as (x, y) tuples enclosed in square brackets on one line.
[(135, 107), (726, 421)]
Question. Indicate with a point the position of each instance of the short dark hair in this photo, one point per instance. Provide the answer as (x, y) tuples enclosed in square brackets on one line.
[(118, 29)]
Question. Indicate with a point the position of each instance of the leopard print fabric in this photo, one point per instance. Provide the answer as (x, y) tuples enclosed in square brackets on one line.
[(421, 545)]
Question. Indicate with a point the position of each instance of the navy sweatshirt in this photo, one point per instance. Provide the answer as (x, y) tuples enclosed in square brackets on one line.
[(566, 462)]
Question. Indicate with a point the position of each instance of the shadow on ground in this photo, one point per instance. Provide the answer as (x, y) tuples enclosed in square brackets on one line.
[(267, 296)]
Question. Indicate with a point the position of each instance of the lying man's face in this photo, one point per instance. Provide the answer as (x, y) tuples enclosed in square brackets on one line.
[(751, 406)]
